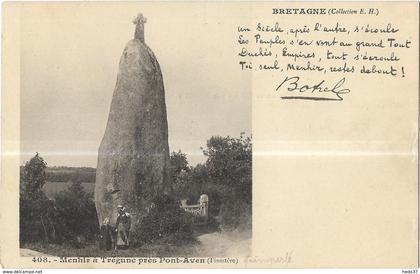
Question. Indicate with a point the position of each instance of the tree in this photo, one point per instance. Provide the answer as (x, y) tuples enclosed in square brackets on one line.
[(229, 158), (34, 207), (32, 176), (178, 170), (229, 167), (226, 177), (179, 163)]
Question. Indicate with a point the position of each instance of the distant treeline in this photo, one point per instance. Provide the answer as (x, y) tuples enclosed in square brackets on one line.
[(70, 174)]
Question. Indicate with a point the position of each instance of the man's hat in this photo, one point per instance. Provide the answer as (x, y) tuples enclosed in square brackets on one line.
[(120, 206)]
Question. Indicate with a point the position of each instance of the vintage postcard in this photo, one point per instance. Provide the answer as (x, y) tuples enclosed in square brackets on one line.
[(209, 135)]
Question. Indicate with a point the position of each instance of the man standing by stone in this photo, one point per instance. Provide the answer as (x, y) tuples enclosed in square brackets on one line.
[(123, 226)]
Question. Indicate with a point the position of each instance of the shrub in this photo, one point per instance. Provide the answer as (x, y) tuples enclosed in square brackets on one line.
[(165, 222), (226, 178), (75, 216)]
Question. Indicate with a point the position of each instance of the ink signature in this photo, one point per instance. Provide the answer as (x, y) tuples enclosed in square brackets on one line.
[(307, 91)]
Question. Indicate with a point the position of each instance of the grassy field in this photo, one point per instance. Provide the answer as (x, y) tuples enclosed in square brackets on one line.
[(52, 188)]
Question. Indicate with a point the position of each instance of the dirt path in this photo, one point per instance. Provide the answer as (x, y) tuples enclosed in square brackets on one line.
[(224, 245), (24, 252)]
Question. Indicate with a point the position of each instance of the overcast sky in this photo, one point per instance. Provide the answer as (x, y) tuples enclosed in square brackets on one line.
[(69, 65)]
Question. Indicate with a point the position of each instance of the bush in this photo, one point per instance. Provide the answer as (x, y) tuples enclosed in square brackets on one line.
[(165, 222), (75, 216), (226, 178), (35, 222)]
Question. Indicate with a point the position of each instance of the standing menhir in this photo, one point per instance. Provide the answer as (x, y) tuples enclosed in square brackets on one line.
[(133, 158)]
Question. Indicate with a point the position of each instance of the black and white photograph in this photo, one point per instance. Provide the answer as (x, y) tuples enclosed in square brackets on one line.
[(134, 141)]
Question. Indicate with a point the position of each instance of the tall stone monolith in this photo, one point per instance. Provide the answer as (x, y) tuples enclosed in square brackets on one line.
[(133, 160)]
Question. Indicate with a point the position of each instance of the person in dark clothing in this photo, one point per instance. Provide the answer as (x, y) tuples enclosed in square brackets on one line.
[(106, 239), (123, 225)]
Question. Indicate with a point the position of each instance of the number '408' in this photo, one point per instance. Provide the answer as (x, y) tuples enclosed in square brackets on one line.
[(40, 259)]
